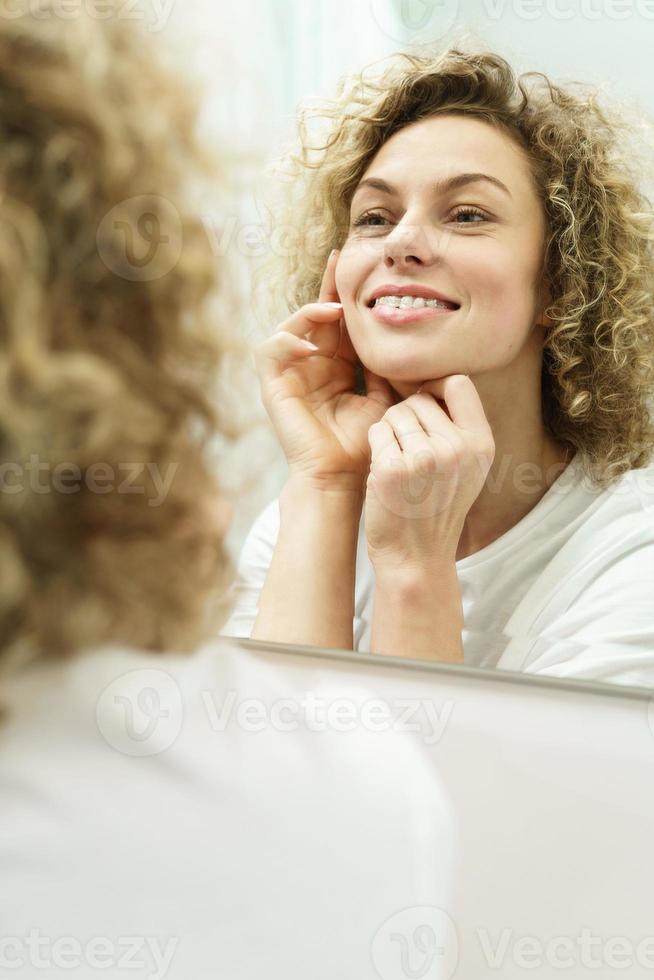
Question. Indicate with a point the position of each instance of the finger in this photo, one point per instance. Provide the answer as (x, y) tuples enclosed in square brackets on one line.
[(407, 427), (345, 349), (334, 342), (309, 317), (283, 347), (328, 336), (328, 291), (382, 441), (437, 423), (462, 400), (432, 416)]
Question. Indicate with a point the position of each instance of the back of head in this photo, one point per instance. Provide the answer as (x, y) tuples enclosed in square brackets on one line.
[(108, 345)]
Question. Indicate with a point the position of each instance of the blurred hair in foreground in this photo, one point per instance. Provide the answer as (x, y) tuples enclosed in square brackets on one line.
[(101, 359)]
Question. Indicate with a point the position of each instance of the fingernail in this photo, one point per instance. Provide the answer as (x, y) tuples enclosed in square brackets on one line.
[(307, 343), (333, 253), (336, 306)]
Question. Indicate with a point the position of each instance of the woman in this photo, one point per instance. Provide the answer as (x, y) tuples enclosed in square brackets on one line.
[(142, 824), (492, 275)]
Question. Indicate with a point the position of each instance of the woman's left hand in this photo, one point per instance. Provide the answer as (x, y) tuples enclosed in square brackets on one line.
[(427, 469)]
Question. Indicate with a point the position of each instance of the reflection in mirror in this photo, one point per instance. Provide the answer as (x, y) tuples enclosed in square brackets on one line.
[(462, 388)]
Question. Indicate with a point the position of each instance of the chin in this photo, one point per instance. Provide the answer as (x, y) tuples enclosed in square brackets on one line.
[(405, 388), (407, 376)]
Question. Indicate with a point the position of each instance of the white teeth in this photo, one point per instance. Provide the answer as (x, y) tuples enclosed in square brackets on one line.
[(409, 302)]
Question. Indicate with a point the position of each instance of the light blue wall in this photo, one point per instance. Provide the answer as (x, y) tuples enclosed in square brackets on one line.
[(260, 57)]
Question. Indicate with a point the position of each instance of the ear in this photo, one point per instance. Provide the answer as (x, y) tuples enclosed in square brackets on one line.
[(545, 295), (542, 325), (544, 300)]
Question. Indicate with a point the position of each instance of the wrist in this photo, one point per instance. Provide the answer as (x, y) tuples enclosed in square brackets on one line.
[(418, 613), (413, 582), (333, 495)]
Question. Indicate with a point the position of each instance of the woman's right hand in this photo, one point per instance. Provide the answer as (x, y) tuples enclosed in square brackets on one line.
[(309, 395)]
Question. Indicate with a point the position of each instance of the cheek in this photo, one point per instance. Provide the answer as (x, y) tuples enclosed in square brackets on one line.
[(352, 269), (350, 279), (500, 286), (487, 270), (346, 281), (502, 282), (342, 278)]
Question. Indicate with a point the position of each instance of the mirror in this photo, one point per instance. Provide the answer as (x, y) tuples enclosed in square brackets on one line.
[(549, 547)]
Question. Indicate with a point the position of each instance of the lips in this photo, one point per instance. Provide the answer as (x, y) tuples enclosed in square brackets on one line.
[(410, 289)]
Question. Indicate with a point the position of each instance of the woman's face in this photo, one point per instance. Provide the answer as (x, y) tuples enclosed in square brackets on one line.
[(477, 243)]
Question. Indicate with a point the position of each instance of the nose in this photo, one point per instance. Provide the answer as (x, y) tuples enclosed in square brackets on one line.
[(410, 245)]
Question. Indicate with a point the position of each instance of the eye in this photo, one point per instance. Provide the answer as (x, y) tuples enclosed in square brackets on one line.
[(370, 219), (470, 211)]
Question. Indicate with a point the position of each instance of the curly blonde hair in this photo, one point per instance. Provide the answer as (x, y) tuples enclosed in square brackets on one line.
[(598, 358), (110, 368)]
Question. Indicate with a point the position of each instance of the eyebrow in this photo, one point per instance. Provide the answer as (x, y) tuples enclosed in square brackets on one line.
[(441, 186)]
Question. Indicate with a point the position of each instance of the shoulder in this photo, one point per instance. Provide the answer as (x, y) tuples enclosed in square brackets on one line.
[(606, 563), (635, 488), (622, 523), (614, 548)]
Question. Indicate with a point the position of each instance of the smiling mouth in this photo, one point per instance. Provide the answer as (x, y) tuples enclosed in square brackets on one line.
[(411, 303)]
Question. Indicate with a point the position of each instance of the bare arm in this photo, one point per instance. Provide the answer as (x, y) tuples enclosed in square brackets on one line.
[(308, 595), (309, 392), (418, 615)]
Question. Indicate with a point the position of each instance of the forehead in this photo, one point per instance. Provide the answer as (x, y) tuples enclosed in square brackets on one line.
[(447, 144)]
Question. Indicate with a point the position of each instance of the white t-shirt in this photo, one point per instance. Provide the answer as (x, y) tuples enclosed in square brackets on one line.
[(161, 818), (567, 592)]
